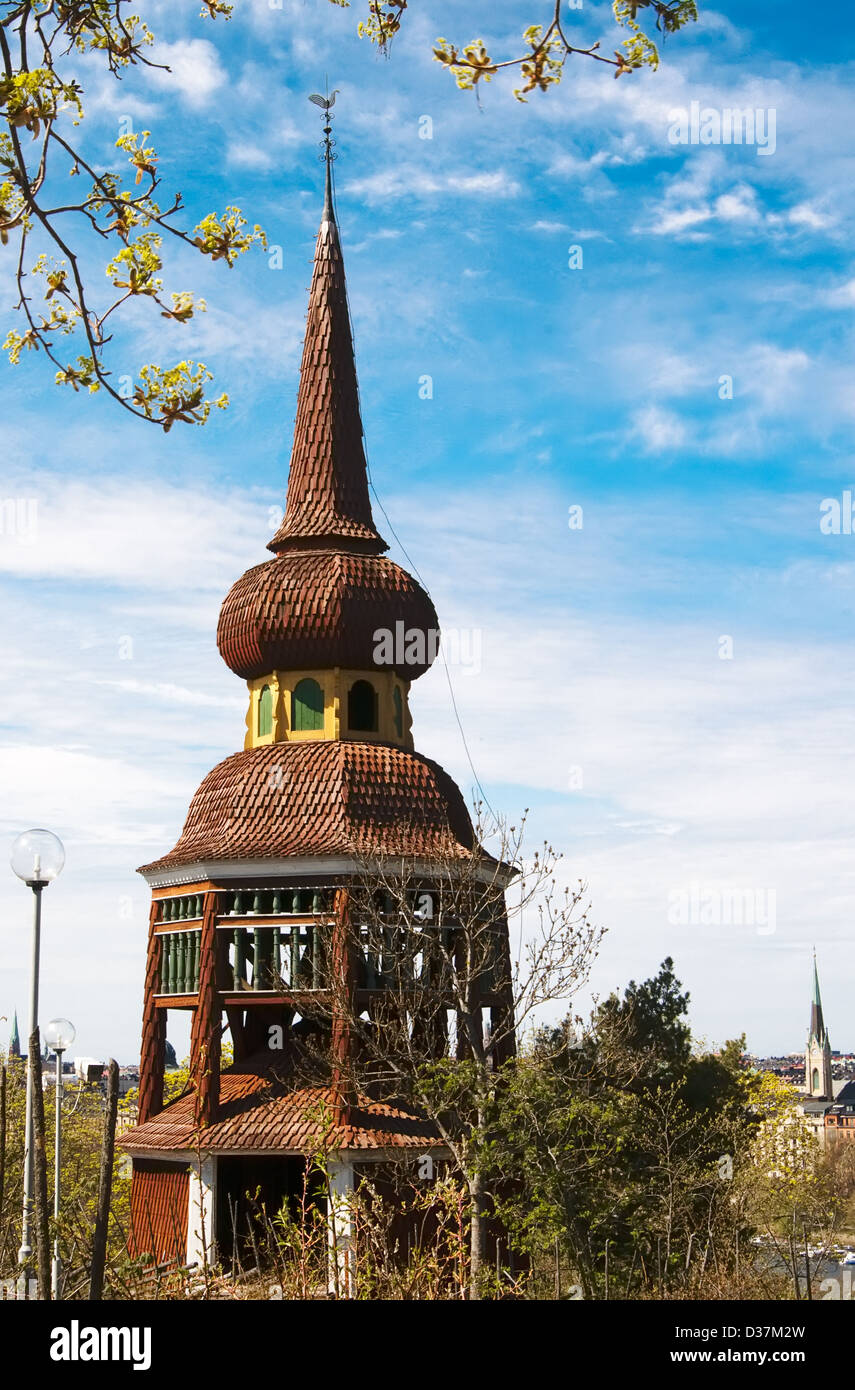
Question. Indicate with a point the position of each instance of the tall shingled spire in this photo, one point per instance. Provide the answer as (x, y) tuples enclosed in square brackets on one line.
[(328, 503), (817, 1022), (819, 1081)]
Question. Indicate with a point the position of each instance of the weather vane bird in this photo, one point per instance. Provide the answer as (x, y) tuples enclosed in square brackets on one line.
[(326, 104)]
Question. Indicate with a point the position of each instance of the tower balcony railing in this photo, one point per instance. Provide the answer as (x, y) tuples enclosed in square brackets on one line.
[(291, 958), (279, 958), (278, 902), (181, 909), (180, 954)]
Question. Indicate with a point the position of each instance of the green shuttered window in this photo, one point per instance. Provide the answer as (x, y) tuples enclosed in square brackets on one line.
[(307, 711), (265, 711)]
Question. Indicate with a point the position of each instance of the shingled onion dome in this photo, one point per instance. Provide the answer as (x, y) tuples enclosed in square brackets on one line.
[(329, 589)]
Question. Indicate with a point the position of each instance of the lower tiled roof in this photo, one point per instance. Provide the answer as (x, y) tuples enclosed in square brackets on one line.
[(262, 1111), (323, 798)]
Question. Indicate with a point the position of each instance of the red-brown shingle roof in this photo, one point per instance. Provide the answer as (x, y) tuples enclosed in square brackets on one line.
[(261, 1110), (328, 484), (312, 609), (336, 797)]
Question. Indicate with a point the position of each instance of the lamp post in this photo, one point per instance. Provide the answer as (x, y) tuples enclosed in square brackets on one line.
[(37, 858), (59, 1034)]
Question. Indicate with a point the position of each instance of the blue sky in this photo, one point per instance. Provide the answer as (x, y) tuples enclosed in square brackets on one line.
[(552, 387)]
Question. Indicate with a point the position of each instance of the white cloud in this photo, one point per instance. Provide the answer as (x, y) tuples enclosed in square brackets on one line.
[(672, 221), (241, 154), (842, 296), (406, 180), (807, 215), (195, 70), (104, 533), (659, 429)]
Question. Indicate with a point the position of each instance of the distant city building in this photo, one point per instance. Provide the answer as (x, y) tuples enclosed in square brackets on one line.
[(840, 1117)]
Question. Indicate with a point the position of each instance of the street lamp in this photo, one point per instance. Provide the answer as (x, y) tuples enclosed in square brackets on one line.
[(59, 1034), (37, 859)]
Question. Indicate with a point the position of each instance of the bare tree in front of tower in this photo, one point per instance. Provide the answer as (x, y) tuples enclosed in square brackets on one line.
[(451, 961)]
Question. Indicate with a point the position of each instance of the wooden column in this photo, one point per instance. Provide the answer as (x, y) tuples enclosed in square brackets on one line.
[(153, 1050), (343, 986), (502, 1012), (206, 1031)]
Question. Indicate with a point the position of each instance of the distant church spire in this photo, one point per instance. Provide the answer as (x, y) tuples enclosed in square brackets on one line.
[(15, 1041), (818, 1081), (817, 1023)]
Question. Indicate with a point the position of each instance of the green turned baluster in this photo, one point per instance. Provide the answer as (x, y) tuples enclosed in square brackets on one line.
[(294, 971), (258, 905), (276, 908), (166, 914), (317, 957), (258, 970), (169, 944), (304, 975), (317, 902), (240, 958), (275, 964), (295, 901), (181, 953), (238, 907), (197, 960), (164, 964)]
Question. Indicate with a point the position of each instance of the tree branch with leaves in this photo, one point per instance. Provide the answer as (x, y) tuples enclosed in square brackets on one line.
[(546, 46), (52, 228)]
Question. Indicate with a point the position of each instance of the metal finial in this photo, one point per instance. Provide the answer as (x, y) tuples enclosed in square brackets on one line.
[(326, 104)]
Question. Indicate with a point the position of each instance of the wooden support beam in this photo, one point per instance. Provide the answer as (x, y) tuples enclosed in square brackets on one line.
[(153, 1050), (206, 1032), (341, 966)]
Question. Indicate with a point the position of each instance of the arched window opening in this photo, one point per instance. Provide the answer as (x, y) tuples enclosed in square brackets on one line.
[(815, 1083), (398, 708), (307, 706), (362, 708), (265, 711)]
